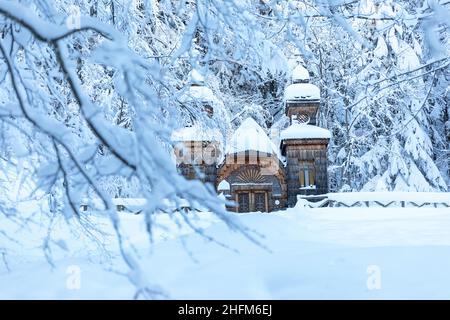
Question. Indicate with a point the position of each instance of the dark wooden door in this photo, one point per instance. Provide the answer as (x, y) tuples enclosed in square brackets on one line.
[(260, 201), (244, 201)]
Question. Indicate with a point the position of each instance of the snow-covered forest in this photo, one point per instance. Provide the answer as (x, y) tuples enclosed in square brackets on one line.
[(91, 90)]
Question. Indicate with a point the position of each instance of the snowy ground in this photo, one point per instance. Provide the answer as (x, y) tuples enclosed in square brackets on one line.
[(332, 253)]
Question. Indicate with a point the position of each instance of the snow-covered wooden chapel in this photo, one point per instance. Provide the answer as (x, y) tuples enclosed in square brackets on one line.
[(257, 172)]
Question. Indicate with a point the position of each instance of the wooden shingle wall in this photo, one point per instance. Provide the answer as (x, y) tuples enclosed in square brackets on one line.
[(298, 150), (309, 108)]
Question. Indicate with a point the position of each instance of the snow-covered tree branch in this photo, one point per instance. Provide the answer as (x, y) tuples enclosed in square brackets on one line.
[(91, 91)]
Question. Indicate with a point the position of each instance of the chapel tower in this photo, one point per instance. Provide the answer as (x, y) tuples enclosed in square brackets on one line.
[(197, 147), (303, 143)]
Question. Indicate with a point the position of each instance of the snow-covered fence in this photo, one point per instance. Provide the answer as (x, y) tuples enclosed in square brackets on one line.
[(137, 205), (380, 199)]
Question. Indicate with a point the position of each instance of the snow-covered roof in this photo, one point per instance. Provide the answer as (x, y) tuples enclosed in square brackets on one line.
[(304, 131), (300, 74), (223, 185), (250, 136), (197, 133), (302, 91), (198, 91), (200, 94), (196, 78)]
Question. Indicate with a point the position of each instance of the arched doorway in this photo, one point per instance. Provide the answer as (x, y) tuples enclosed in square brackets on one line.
[(254, 189)]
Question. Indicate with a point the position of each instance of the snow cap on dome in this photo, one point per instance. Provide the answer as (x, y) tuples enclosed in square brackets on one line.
[(302, 91), (196, 78), (250, 136), (304, 131), (224, 185), (198, 92), (201, 94), (300, 74)]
